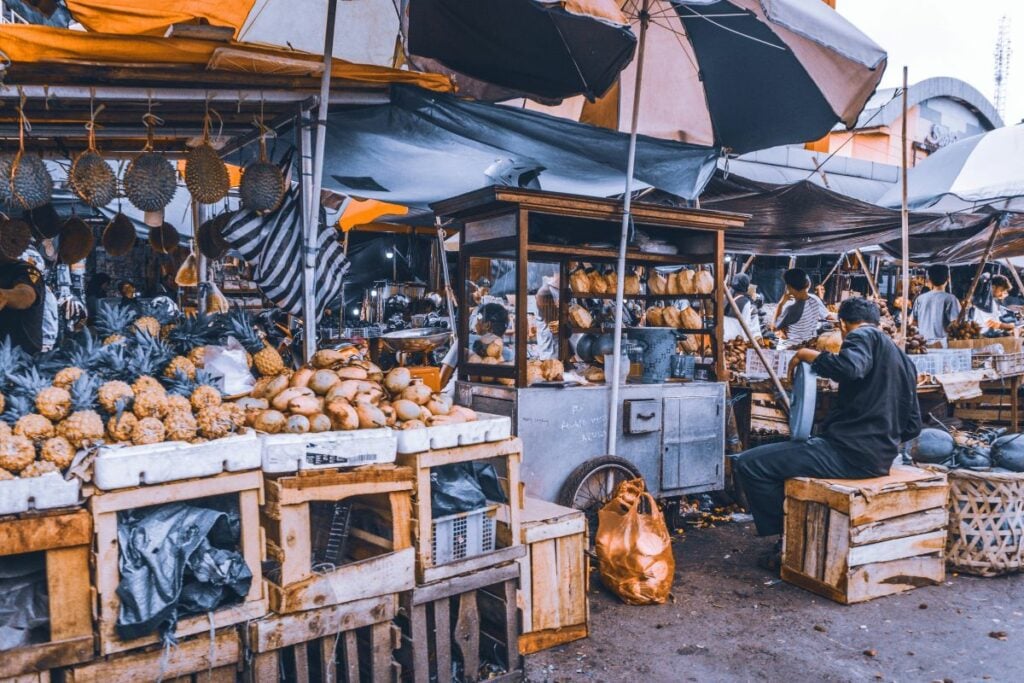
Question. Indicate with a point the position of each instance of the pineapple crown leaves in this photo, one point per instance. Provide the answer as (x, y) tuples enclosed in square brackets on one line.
[(29, 383), (139, 362), (113, 318), (115, 363), (83, 392), (180, 384), (81, 351), (17, 407), (205, 377), (158, 351), (240, 326), (194, 330), (12, 358), (162, 314)]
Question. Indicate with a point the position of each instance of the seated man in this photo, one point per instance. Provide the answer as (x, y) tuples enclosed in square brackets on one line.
[(875, 411), (799, 313)]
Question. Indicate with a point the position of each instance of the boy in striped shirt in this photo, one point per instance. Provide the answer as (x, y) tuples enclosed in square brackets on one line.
[(799, 313)]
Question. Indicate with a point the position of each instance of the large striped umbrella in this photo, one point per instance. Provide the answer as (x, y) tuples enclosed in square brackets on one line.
[(980, 171)]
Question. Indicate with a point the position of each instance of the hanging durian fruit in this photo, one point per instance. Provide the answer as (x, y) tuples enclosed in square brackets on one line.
[(44, 221), (164, 239), (206, 174), (76, 241), (6, 199), (150, 180), (30, 181), (263, 185), (15, 236), (119, 235), (90, 177), (210, 238)]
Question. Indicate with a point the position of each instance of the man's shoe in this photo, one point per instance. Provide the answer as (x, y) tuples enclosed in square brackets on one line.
[(771, 560)]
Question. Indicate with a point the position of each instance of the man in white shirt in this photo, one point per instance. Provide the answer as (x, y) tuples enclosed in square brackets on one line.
[(799, 313)]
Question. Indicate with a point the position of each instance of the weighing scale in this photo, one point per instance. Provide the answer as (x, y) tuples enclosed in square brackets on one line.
[(412, 349)]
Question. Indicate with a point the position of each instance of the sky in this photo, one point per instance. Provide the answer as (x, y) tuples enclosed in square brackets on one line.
[(945, 38)]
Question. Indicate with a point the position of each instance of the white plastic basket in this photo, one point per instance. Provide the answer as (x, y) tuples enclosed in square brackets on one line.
[(463, 535), (942, 361), (779, 361)]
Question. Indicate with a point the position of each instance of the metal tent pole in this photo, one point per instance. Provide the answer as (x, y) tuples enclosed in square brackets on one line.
[(627, 201), (905, 220), (313, 206)]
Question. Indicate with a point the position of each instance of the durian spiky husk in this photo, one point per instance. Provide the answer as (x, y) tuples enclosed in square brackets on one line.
[(31, 184), (206, 174), (262, 187), (119, 235), (15, 236), (76, 241), (92, 179), (6, 198), (164, 239), (150, 182)]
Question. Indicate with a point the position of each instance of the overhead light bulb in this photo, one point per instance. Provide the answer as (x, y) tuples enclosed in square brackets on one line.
[(355, 311), (728, 259), (389, 254), (373, 292)]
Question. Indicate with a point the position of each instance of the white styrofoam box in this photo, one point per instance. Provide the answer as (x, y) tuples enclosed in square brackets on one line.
[(48, 491), (293, 452), (118, 467), (486, 428)]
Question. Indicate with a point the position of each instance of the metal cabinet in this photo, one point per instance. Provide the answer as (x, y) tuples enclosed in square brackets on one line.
[(693, 443)]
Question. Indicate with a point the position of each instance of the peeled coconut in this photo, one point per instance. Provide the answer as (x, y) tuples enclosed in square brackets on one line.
[(413, 424), (343, 416), (418, 393), (390, 416), (370, 416), (301, 377), (319, 423), (270, 421), (322, 381), (352, 372), (439, 404), (347, 390), (275, 386), (297, 424), (397, 380), (305, 405), (406, 410)]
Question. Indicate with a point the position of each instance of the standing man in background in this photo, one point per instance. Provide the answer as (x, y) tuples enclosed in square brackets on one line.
[(935, 309)]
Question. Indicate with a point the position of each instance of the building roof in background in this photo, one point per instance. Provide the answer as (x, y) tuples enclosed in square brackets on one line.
[(884, 107)]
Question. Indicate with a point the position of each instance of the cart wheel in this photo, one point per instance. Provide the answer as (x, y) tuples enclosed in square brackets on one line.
[(592, 484)]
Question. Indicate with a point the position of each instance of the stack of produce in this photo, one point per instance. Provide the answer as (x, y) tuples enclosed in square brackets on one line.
[(550, 370), (736, 356), (967, 329), (916, 345), (593, 281)]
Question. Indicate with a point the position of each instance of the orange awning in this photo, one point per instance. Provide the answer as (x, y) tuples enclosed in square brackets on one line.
[(153, 18), (363, 211), (43, 44)]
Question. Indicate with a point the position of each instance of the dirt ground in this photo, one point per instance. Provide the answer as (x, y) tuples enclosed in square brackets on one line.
[(732, 621)]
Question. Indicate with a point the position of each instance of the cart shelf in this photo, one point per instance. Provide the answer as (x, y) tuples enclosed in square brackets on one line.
[(647, 297)]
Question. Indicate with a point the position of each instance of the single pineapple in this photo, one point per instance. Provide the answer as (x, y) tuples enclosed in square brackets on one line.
[(16, 453), (180, 425), (150, 403), (147, 383), (84, 426), (198, 356), (148, 430), (57, 450), (112, 322), (120, 427), (34, 427), (38, 468), (205, 396), (115, 396), (178, 404), (65, 377), (266, 358), (180, 364), (51, 402), (237, 414), (152, 320), (214, 422)]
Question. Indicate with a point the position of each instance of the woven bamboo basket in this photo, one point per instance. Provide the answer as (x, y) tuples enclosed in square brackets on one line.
[(986, 522)]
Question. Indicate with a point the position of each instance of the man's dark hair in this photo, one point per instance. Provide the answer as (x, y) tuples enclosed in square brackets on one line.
[(857, 309), (1000, 281), (938, 274), (797, 278), (496, 317), (740, 283)]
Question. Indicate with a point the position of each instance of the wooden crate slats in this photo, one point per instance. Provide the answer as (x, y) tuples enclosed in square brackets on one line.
[(853, 541), (191, 656), (248, 487), (283, 630), (46, 656), (545, 579), (39, 532), (572, 579)]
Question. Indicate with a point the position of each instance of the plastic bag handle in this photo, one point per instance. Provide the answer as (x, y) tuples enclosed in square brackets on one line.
[(650, 500)]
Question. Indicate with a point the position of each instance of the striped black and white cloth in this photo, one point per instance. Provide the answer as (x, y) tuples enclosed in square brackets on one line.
[(272, 244)]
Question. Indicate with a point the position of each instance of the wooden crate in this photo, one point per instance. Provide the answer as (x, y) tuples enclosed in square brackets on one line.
[(553, 577), (65, 539), (247, 486), (855, 540), (470, 620), (192, 660), (506, 456), (993, 408), (350, 643), (386, 565)]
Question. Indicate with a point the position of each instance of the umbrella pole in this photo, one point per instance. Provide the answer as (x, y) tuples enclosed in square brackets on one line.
[(313, 206), (905, 219), (627, 201), (1016, 276)]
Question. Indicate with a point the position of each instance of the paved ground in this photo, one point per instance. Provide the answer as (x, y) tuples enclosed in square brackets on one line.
[(731, 621)]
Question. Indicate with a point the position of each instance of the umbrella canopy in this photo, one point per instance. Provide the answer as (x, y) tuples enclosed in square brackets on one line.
[(980, 171), (741, 74), (548, 49)]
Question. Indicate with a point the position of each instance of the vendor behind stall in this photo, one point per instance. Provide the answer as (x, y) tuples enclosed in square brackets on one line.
[(935, 309), (22, 299), (997, 317), (740, 289), (799, 313), (874, 412)]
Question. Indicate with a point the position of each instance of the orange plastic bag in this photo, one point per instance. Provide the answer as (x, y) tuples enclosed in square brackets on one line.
[(634, 550)]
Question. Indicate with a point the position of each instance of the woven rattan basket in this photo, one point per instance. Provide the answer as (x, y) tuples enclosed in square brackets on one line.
[(986, 522)]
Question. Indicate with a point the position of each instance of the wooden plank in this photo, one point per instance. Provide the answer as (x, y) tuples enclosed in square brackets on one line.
[(925, 496), (69, 591), (814, 540), (296, 544), (351, 645), (223, 674), (277, 631), (251, 536), (423, 518), (451, 587), (45, 656), (572, 567), (266, 666), (898, 548), (533, 532), (512, 627), (339, 492), (370, 474), (899, 527), (544, 570), (401, 520), (145, 496), (795, 526), (837, 546), (380, 652), (377, 576), (535, 641), (470, 565), (301, 651), (876, 580), (797, 578), (190, 656), (525, 597), (328, 659), (37, 533), (448, 456), (443, 634), (467, 634), (420, 644)]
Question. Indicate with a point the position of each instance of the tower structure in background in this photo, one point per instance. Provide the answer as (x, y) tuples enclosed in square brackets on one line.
[(1002, 53)]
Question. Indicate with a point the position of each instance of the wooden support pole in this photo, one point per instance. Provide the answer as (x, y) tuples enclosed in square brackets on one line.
[(749, 262), (783, 396), (966, 304), (904, 215), (1015, 275), (867, 273)]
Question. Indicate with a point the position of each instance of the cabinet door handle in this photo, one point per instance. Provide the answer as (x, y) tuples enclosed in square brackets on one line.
[(645, 416)]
